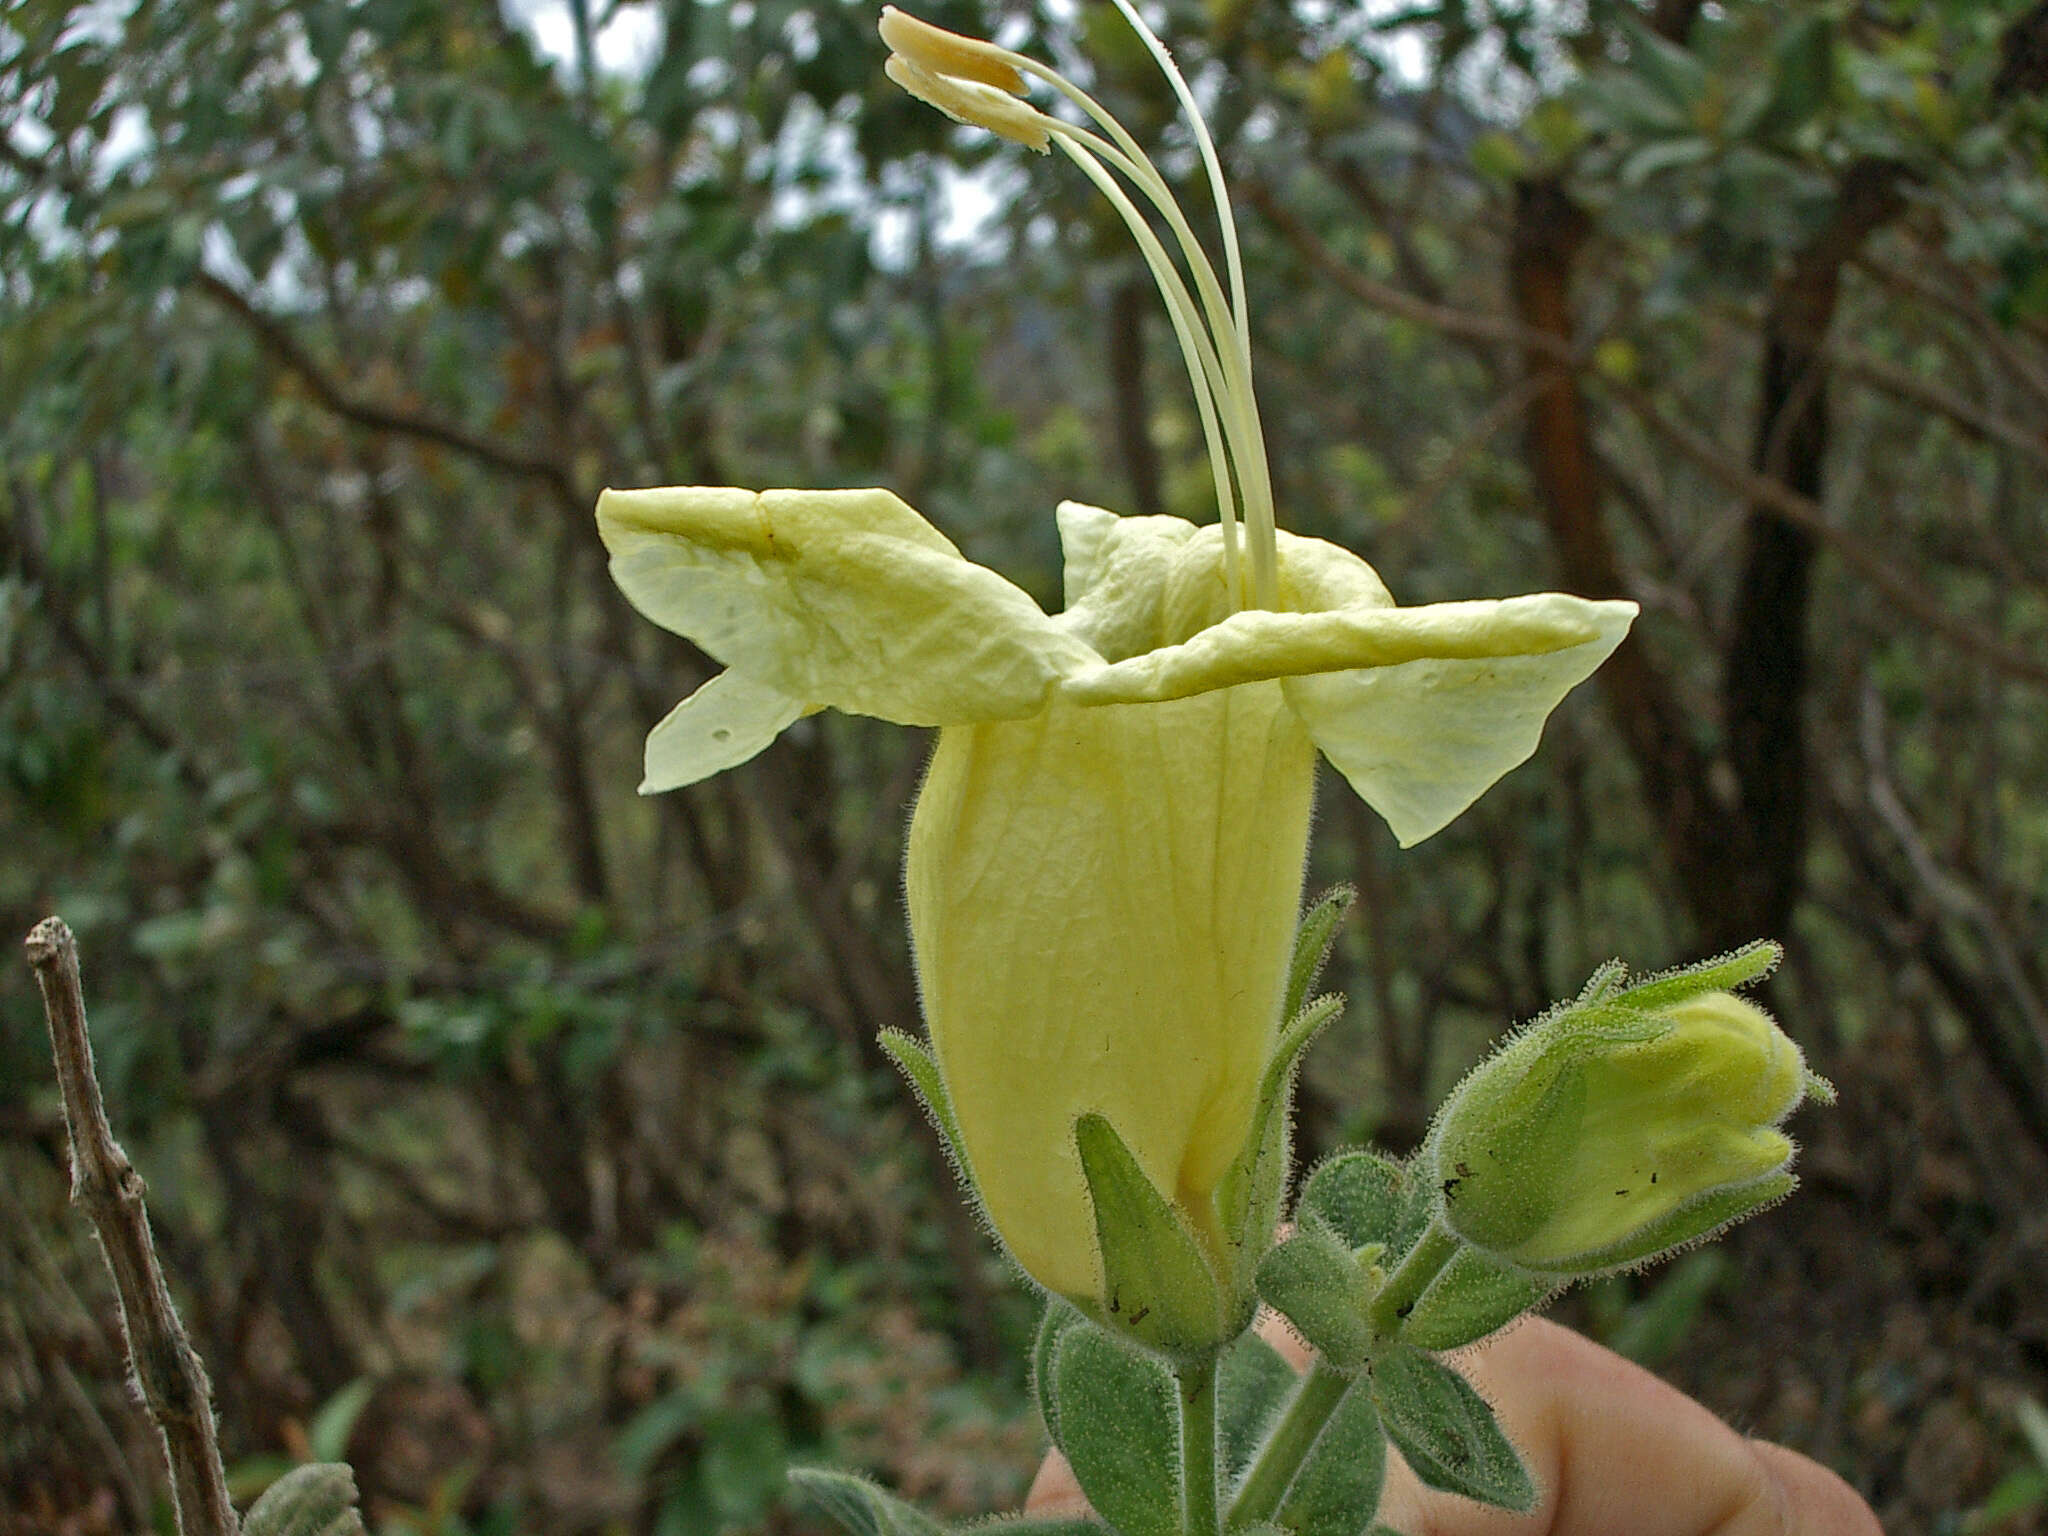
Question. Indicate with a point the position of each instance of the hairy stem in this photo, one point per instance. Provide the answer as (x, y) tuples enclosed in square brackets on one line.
[(1288, 1446), (1432, 1251), (1199, 1515)]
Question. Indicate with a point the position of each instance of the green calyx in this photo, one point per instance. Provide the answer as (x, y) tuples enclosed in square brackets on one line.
[(1630, 1122)]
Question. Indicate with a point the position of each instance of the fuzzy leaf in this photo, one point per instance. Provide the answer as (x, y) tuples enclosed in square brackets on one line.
[(315, 1500), (1338, 1486), (1447, 1433), (1251, 1388), (1120, 1426), (1312, 941), (1313, 1281), (862, 1507), (1471, 1297), (1251, 1193), (1366, 1198), (1052, 1327), (1157, 1286), (915, 1062), (1725, 973)]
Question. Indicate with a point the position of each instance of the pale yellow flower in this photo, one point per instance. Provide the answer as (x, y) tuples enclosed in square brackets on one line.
[(1105, 861)]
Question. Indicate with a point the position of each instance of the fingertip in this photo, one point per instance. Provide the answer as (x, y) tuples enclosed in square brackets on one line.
[(1817, 1502), (1054, 1490)]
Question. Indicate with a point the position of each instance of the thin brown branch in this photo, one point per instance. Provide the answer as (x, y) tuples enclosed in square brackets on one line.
[(1389, 222), (1770, 494), (1466, 324), (378, 417), (1780, 501), (1509, 404), (1951, 290), (1939, 400), (1944, 892), (165, 1365), (20, 541)]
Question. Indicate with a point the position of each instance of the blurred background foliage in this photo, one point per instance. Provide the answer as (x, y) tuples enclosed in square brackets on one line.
[(527, 1141)]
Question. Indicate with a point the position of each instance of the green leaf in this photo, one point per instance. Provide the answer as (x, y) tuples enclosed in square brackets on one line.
[(2016, 1492), (1032, 1526), (1338, 1487), (1252, 1385), (1725, 973), (1499, 157), (1652, 1329), (1120, 1424), (1059, 1316), (917, 1064), (1802, 76), (1661, 155), (327, 1436), (1472, 1296), (1673, 72), (80, 75), (862, 1507), (1313, 939), (1313, 1281), (1366, 1198), (1447, 1433), (743, 1465), (651, 1431), (1250, 1196), (1622, 103), (1157, 1285), (315, 1500)]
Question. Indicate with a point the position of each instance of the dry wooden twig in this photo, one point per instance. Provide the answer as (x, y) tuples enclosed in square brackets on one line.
[(166, 1367)]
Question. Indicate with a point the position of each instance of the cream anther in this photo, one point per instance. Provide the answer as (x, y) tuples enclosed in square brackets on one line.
[(972, 102), (939, 52)]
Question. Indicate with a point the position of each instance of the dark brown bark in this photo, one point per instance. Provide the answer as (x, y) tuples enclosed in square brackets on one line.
[(1129, 302), (1739, 866), (1549, 229), (1672, 19), (1764, 673), (2023, 57)]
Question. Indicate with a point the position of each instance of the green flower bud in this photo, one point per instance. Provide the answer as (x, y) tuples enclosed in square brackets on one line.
[(1608, 1133)]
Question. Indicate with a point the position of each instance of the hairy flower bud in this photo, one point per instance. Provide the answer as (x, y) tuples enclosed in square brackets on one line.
[(1609, 1133)]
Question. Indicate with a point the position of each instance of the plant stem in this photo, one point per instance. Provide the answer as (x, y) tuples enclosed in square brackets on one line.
[(1425, 1260), (174, 1385), (1199, 1515), (1323, 1388), (1288, 1446)]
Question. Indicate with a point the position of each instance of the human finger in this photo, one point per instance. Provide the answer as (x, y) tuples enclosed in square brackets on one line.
[(1614, 1450), (1617, 1452)]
